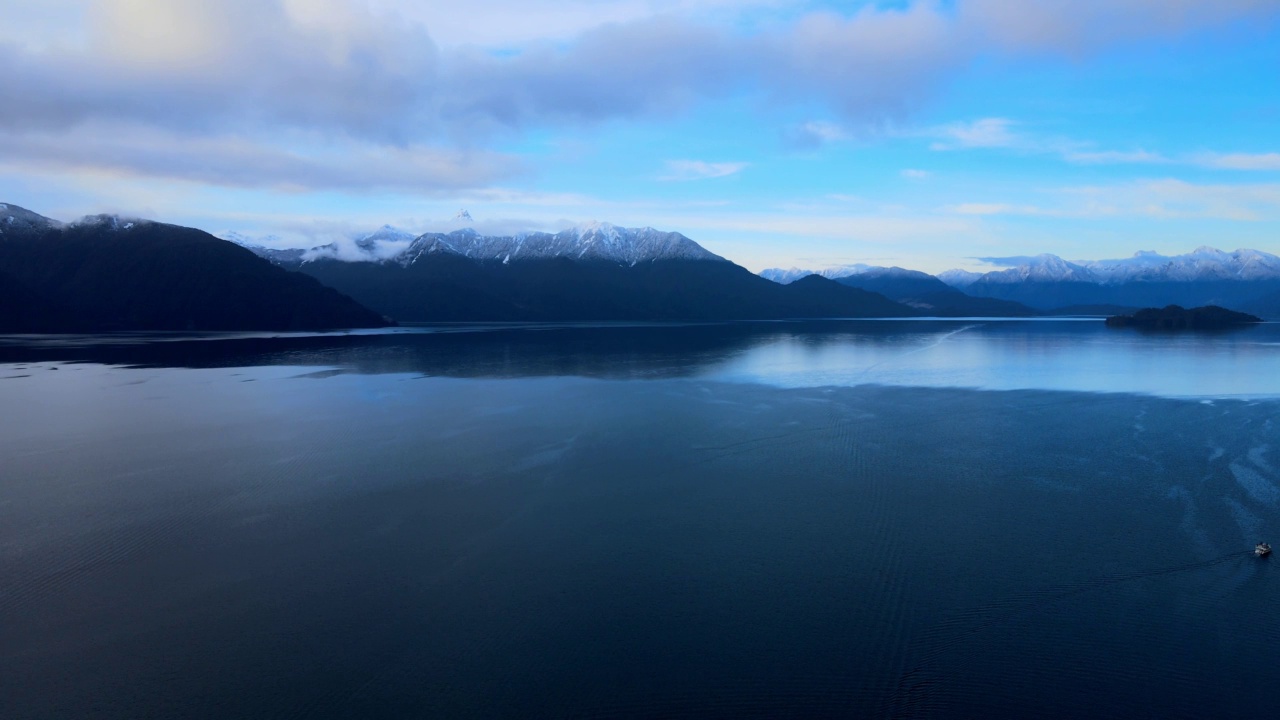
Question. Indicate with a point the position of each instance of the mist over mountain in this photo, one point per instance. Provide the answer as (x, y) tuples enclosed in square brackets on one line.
[(105, 272)]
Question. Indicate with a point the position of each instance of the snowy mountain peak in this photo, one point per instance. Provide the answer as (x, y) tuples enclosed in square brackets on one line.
[(959, 279), (600, 231), (592, 241), (463, 215), (383, 235), (1206, 250)]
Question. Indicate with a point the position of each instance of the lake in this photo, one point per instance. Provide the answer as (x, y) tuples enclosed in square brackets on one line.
[(912, 518)]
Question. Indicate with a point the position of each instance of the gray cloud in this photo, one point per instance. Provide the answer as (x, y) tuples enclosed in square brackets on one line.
[(1011, 261), (258, 70), (1083, 26), (237, 162), (274, 86)]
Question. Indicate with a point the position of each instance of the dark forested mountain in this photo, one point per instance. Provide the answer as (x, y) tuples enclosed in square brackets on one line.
[(894, 282), (447, 286), (1174, 317), (109, 273), (926, 294), (1050, 294), (930, 295), (592, 272)]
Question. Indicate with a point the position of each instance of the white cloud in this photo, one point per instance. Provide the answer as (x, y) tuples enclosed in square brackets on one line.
[(1173, 198), (996, 209), (1113, 157), (1239, 161), (814, 134), (877, 229), (915, 174), (1166, 198), (680, 170), (984, 133)]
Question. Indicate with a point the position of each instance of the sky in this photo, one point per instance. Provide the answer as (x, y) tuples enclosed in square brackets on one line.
[(776, 133)]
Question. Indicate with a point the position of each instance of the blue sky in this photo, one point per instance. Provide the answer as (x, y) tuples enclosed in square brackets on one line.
[(774, 132)]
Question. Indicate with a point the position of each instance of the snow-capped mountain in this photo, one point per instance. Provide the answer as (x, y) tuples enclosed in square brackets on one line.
[(596, 241), (959, 279), (1041, 268), (791, 275), (1205, 276), (1201, 264)]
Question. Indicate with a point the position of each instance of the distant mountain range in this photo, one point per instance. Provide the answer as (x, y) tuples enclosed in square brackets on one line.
[(927, 294), (1248, 280), (110, 273), (104, 272)]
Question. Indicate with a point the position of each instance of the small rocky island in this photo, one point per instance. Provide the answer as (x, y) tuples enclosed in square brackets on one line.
[(1176, 317)]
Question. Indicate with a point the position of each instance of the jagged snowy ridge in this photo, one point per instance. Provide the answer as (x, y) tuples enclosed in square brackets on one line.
[(1199, 265), (597, 241), (1202, 264)]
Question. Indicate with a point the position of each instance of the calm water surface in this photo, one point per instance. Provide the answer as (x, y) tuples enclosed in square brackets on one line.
[(845, 519)]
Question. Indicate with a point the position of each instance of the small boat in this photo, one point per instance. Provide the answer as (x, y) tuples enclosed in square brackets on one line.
[(1262, 549)]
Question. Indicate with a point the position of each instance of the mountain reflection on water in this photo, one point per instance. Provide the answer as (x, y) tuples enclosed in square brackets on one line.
[(979, 353)]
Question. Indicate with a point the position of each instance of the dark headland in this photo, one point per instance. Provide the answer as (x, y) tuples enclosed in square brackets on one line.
[(105, 273), (1176, 317)]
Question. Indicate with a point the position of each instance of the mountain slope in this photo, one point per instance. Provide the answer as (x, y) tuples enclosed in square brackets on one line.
[(447, 286), (926, 294), (108, 273)]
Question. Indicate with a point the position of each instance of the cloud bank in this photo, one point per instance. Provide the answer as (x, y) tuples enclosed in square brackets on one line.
[(349, 94)]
